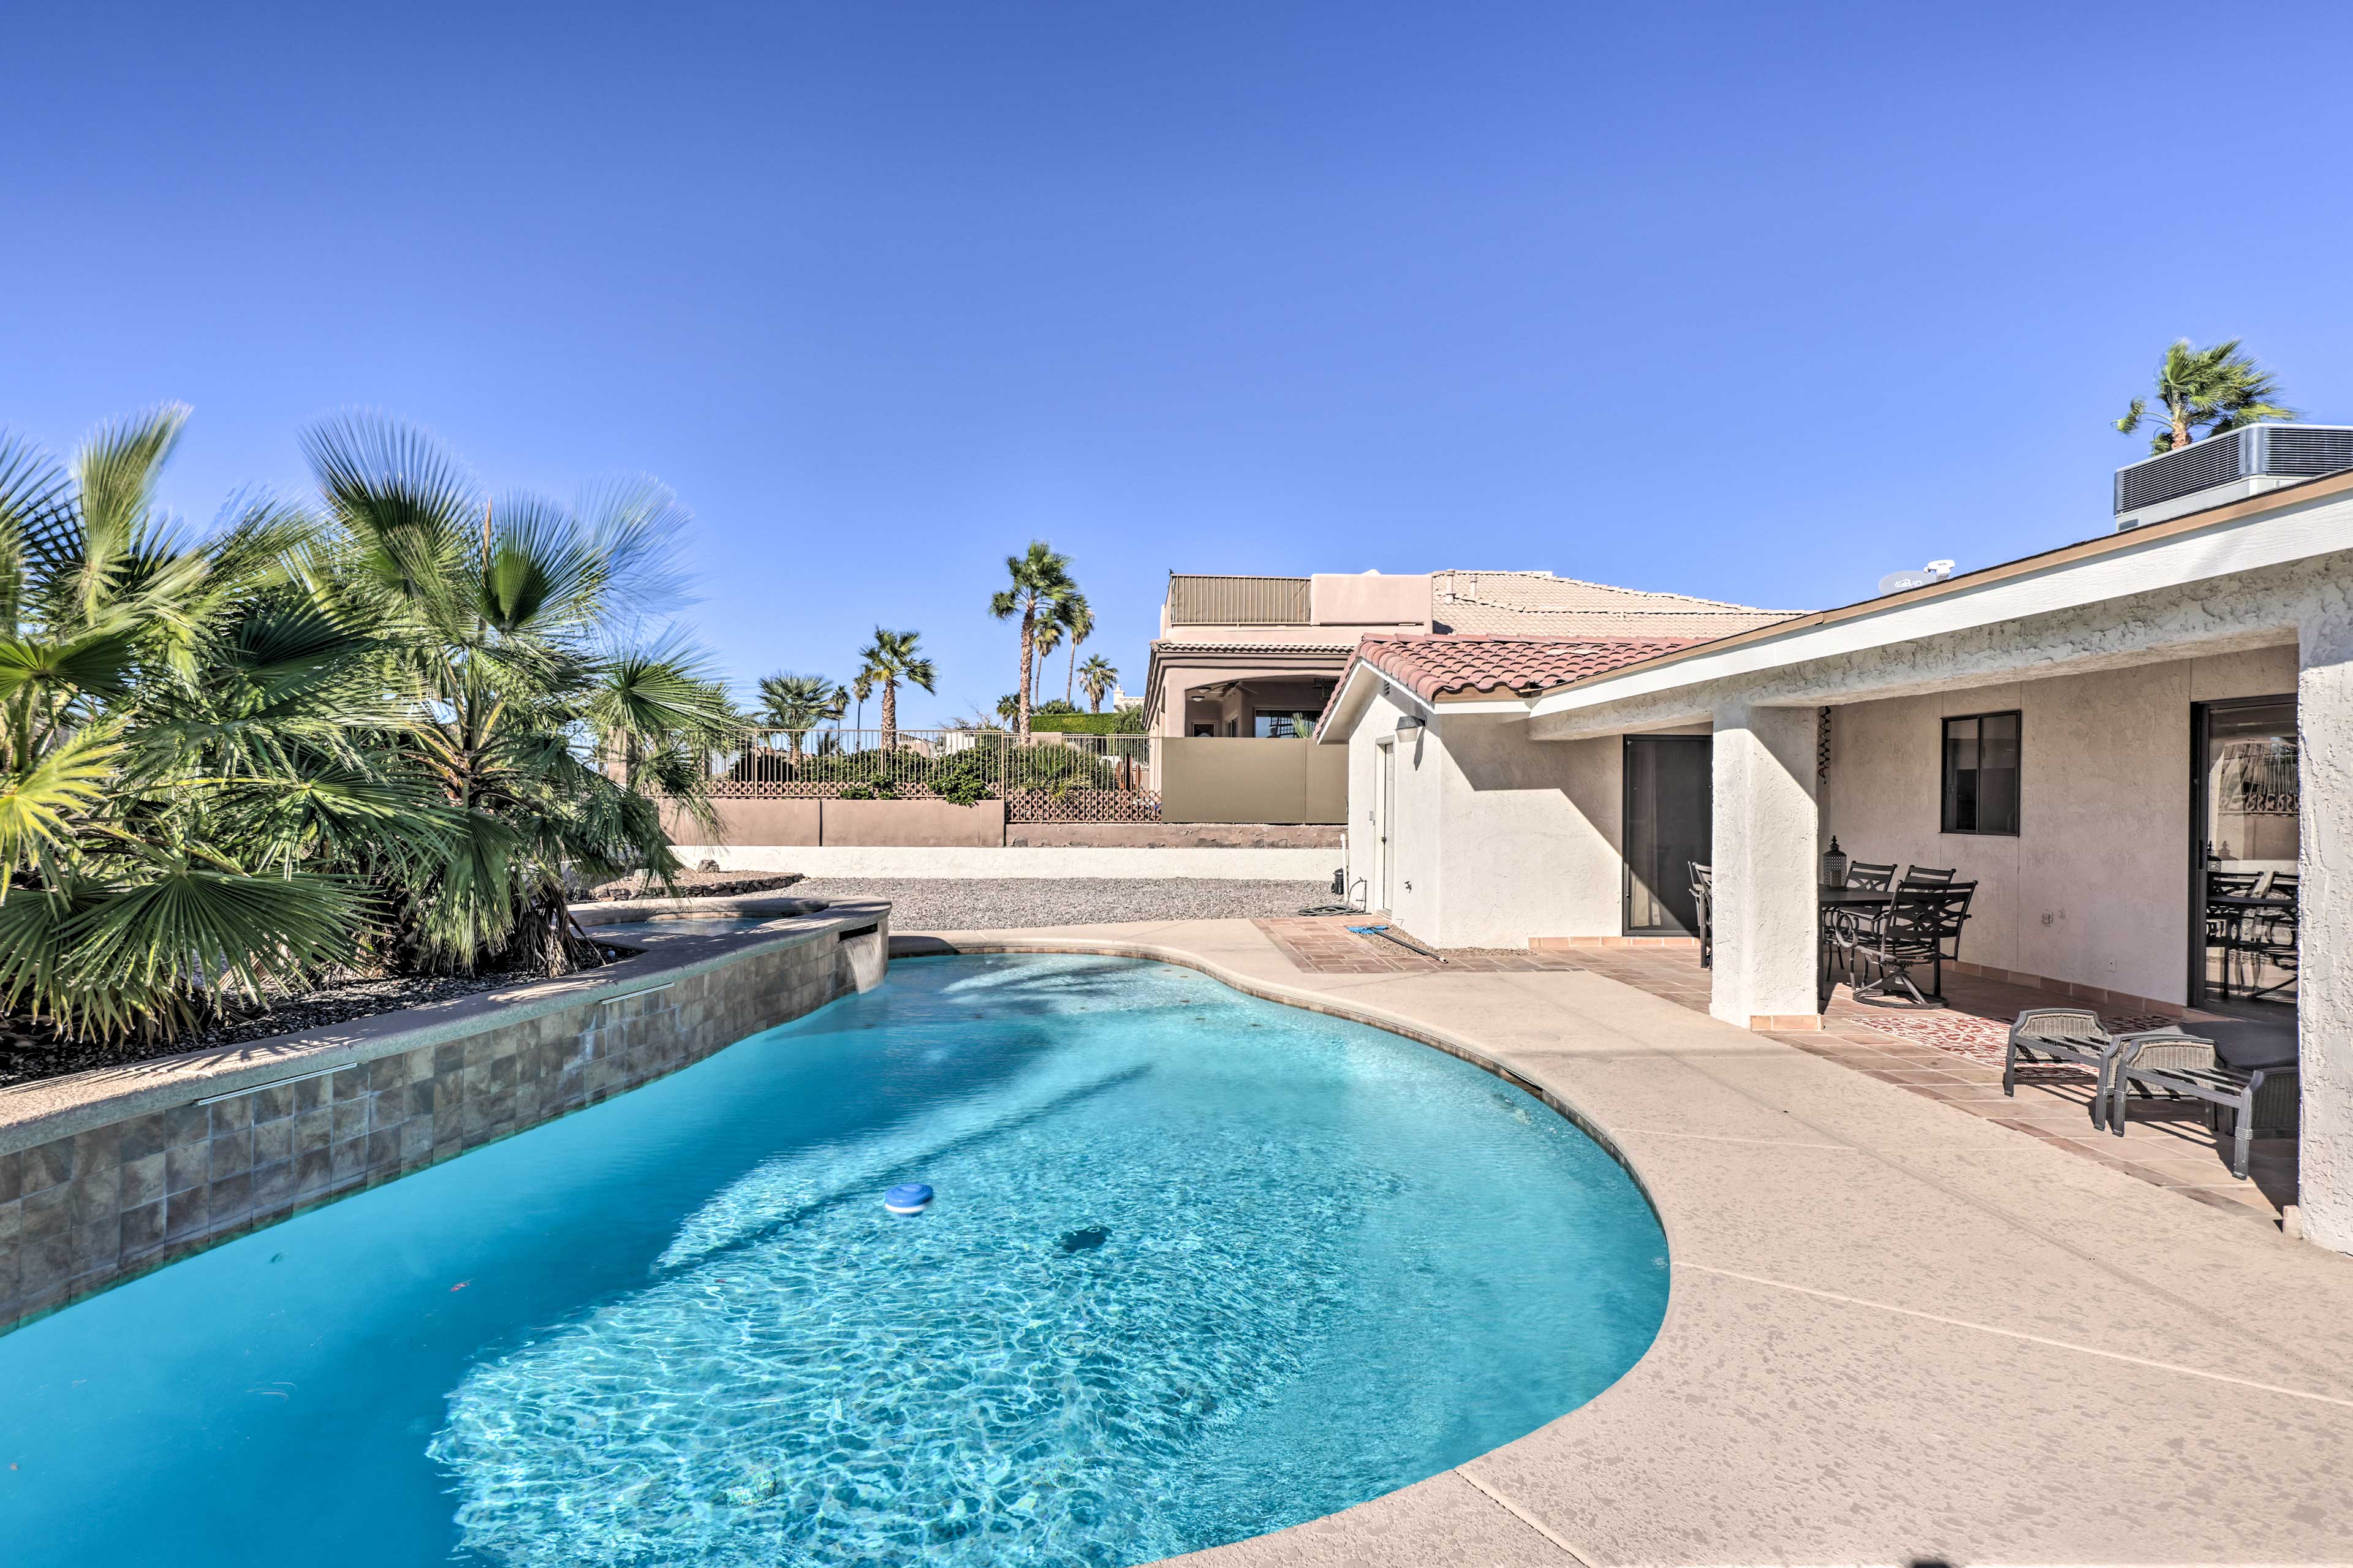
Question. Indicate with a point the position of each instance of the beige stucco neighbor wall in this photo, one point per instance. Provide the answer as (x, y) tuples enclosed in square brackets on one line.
[(814, 821), (938, 823), (749, 822), (1209, 780), (2093, 890), (105, 1175)]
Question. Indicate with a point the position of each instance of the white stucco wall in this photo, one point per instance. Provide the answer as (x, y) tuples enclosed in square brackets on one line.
[(1498, 838), (2094, 887)]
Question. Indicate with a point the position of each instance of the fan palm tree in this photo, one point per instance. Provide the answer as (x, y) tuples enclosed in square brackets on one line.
[(795, 703), (1079, 620), (1051, 630), (1040, 580), (551, 731), (890, 658), (2217, 388), (1097, 677), (183, 727)]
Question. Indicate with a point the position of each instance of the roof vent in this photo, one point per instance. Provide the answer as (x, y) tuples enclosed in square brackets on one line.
[(2227, 467)]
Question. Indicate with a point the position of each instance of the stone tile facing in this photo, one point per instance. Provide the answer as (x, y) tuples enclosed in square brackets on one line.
[(81, 1213)]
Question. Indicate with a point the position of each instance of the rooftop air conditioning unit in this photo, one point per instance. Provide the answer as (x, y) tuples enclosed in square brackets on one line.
[(2227, 467)]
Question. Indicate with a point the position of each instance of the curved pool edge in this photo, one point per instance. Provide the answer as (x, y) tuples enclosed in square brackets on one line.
[(1469, 1525)]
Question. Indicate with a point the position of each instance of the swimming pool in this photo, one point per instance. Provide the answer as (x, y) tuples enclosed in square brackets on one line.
[(1199, 1266)]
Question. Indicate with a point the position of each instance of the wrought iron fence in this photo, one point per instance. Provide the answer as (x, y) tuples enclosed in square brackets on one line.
[(1042, 777)]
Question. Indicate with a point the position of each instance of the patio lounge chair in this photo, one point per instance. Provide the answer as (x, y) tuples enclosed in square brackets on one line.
[(2262, 1080), (1921, 920), (2064, 1035)]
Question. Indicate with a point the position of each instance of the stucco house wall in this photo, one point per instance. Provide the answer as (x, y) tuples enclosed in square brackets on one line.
[(1497, 839), (1529, 832)]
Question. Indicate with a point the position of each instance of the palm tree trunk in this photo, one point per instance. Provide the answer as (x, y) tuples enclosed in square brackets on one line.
[(1071, 682), (890, 714), (1029, 642)]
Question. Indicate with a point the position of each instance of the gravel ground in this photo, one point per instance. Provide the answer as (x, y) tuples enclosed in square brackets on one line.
[(960, 904)]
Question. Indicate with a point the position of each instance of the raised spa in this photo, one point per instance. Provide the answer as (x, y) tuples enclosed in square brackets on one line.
[(1197, 1267)]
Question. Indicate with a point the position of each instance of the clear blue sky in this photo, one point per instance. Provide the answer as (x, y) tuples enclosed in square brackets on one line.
[(1740, 301)]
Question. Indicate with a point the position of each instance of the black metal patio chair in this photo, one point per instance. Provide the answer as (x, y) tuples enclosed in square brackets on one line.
[(1703, 889), (1920, 927), (1933, 873), (1871, 878)]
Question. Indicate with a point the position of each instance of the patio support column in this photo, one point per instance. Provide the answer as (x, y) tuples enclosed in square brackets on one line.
[(2323, 1014), (1765, 869)]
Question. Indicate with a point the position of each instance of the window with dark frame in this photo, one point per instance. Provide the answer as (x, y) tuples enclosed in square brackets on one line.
[(1981, 774)]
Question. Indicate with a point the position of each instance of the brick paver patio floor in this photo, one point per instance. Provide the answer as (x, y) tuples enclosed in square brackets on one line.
[(1321, 945)]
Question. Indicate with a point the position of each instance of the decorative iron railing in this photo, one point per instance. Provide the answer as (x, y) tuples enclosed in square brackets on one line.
[(1042, 777)]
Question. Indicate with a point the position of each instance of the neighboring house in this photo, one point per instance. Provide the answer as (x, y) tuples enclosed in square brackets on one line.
[(2099, 736), (1259, 657)]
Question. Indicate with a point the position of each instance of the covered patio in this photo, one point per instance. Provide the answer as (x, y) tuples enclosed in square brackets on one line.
[(2127, 760)]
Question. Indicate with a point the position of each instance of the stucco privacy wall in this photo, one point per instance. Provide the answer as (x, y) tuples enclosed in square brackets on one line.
[(2094, 889), (106, 1175), (1178, 860)]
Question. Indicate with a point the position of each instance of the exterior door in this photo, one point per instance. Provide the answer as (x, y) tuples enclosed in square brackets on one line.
[(2244, 838), (1668, 823)]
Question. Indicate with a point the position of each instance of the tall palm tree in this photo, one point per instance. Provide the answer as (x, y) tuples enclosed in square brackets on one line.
[(795, 703), (1041, 579), (890, 658), (1080, 621), (1097, 677), (2218, 388)]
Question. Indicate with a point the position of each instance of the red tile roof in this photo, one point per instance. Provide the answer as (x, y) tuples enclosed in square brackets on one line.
[(1440, 664)]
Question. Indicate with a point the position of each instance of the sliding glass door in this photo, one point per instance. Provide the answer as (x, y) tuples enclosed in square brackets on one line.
[(1668, 822)]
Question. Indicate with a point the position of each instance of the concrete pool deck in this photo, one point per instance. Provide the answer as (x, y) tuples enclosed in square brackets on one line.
[(1897, 1332)]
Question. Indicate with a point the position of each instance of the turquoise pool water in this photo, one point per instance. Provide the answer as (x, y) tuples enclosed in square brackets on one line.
[(1199, 1266)]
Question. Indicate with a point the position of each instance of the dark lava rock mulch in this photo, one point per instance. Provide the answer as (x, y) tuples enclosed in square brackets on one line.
[(695, 885)]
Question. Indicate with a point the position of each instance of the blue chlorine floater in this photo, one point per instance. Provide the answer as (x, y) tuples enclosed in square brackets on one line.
[(907, 1197)]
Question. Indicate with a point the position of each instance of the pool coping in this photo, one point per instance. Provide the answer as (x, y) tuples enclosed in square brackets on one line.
[(1881, 1311)]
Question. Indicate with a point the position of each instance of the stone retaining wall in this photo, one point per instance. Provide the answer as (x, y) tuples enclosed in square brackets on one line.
[(107, 1175)]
